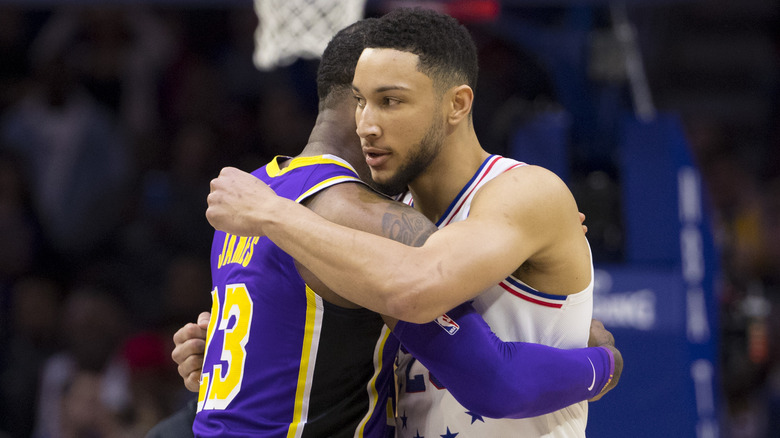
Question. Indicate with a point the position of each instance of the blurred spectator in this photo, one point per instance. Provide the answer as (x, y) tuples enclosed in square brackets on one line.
[(169, 219), (19, 230), (733, 188), (74, 157), (111, 379), (92, 327), (34, 317), (771, 221), (172, 204), (117, 52), (154, 386), (187, 289), (771, 218), (83, 412), (13, 52)]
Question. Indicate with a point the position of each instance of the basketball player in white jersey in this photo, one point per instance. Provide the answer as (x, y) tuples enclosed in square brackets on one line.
[(510, 241)]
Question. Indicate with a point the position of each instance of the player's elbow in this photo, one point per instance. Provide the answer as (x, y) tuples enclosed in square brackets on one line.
[(408, 303), (407, 306), (418, 292)]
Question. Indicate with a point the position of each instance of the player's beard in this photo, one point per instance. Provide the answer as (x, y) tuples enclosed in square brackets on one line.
[(420, 157)]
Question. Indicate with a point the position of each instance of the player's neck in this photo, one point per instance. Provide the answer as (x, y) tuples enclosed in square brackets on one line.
[(333, 133), (436, 188)]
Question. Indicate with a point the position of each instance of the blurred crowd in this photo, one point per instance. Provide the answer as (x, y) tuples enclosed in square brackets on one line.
[(112, 123), (113, 120)]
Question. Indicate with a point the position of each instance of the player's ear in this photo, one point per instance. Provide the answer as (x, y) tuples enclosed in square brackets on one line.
[(461, 98)]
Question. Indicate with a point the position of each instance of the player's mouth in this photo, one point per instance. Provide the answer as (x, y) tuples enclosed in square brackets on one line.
[(375, 157)]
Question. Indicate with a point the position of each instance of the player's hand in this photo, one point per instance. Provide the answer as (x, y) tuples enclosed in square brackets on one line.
[(601, 337), (190, 346), (237, 202), (582, 221)]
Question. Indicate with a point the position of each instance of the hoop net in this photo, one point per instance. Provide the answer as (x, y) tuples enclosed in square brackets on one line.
[(292, 29)]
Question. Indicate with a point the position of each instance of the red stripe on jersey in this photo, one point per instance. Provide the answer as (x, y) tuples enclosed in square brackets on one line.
[(476, 184), (529, 298)]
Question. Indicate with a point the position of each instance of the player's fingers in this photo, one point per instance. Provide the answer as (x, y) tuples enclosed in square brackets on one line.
[(192, 364), (183, 333), (599, 335), (189, 331), (191, 347), (203, 319), (596, 323), (192, 382), (582, 222), (609, 339)]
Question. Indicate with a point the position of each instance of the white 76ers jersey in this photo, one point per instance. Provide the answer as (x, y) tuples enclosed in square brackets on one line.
[(515, 312)]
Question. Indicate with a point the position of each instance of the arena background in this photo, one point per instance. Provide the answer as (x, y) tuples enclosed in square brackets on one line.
[(661, 115)]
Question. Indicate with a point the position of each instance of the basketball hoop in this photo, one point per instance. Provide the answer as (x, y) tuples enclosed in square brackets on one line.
[(292, 29)]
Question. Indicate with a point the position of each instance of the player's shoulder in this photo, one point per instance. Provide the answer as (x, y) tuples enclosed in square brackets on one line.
[(531, 196), (527, 182), (531, 171), (345, 199), (359, 207), (348, 191)]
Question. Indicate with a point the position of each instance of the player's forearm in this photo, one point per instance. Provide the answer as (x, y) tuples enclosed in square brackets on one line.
[(504, 379), (361, 267), (411, 284)]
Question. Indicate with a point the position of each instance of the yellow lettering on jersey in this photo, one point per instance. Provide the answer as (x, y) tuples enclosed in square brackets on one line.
[(238, 253), (222, 254), (205, 376), (232, 322), (227, 250), (250, 249), (237, 250)]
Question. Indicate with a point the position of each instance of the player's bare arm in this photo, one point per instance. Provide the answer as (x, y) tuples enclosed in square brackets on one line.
[(358, 207), (455, 264), (526, 217)]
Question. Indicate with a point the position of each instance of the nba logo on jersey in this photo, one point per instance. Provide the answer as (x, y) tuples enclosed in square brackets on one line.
[(448, 324)]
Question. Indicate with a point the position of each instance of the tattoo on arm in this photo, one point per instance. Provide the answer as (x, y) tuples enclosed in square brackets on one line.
[(406, 226)]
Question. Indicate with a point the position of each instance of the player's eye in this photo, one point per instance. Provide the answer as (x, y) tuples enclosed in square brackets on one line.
[(389, 101)]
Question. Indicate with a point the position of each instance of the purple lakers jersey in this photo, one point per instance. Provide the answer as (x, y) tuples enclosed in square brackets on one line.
[(280, 361)]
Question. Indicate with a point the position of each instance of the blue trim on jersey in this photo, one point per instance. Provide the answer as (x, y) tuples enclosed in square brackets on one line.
[(516, 283), (463, 191)]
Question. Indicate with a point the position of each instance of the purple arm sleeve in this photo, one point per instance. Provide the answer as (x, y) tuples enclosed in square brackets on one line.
[(504, 379)]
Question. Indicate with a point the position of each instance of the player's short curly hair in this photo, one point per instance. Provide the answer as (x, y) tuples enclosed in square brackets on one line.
[(447, 52), (337, 66)]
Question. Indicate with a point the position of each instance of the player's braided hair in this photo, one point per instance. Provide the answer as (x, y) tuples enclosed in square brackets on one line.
[(446, 50), (337, 66)]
